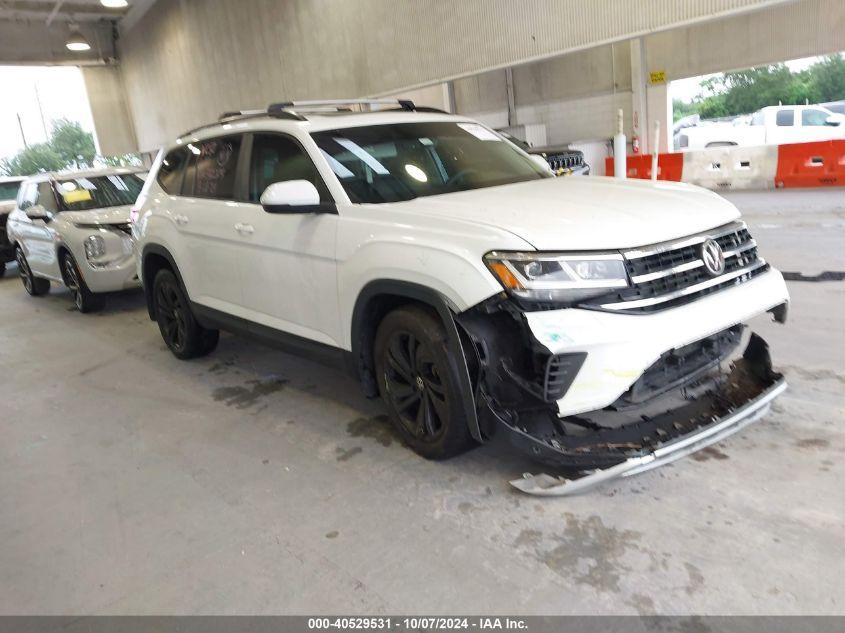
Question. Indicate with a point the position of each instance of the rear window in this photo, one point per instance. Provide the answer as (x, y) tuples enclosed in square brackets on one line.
[(82, 194), (9, 190)]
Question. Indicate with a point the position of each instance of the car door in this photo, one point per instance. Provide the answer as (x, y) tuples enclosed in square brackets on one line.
[(785, 128), (814, 125), (205, 217), (288, 264), (37, 236)]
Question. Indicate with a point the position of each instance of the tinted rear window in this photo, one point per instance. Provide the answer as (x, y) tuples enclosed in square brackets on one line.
[(9, 190)]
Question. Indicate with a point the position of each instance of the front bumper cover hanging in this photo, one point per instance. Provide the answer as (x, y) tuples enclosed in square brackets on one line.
[(752, 411)]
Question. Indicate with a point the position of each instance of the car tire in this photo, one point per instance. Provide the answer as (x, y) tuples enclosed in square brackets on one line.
[(2, 269), (179, 328), (35, 286), (85, 300), (418, 381)]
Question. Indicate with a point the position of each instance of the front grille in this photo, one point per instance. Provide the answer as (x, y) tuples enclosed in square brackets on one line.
[(569, 160), (125, 227), (668, 275)]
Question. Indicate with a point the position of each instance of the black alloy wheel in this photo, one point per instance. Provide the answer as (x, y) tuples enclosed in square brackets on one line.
[(183, 335), (419, 383), (85, 300), (171, 316), (34, 286), (415, 387)]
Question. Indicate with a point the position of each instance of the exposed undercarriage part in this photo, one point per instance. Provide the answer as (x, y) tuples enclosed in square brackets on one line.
[(689, 398)]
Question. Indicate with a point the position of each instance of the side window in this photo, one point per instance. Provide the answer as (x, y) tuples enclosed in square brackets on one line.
[(171, 170), (785, 118), (277, 158), (814, 117), (213, 167), (46, 197), (28, 196)]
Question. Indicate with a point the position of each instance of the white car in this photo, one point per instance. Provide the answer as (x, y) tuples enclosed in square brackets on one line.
[(9, 187), (73, 228), (597, 322)]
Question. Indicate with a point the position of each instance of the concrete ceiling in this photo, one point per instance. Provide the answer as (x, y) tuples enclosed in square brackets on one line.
[(34, 31)]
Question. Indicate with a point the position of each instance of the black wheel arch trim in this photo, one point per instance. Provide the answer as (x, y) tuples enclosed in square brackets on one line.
[(157, 249), (362, 353)]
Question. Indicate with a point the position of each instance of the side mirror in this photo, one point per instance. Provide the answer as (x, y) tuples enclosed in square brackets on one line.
[(292, 196), (834, 120), (541, 162), (37, 212)]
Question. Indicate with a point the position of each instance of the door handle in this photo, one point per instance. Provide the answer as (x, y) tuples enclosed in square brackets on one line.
[(181, 220), (244, 229)]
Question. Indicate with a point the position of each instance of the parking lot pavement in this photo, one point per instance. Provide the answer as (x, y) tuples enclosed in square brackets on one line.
[(255, 482)]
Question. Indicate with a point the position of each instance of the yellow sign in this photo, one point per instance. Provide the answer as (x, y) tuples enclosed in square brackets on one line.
[(76, 195), (657, 77)]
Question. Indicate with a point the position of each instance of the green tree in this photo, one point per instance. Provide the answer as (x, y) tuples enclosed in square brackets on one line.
[(72, 143), (827, 79), (33, 159)]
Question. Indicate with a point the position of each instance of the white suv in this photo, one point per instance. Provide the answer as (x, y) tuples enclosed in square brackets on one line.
[(598, 322), (73, 228)]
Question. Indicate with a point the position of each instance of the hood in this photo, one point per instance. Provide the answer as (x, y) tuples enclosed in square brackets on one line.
[(591, 213), (109, 215), (6, 206)]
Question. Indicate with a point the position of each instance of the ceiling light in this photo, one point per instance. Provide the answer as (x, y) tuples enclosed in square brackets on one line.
[(76, 41), (114, 4)]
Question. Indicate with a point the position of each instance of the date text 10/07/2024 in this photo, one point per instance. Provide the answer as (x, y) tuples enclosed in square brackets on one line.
[(418, 623)]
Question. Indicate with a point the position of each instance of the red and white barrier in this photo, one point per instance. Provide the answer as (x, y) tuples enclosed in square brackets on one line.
[(818, 164)]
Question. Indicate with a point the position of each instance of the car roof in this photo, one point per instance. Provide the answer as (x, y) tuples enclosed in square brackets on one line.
[(82, 173), (316, 122), (6, 179)]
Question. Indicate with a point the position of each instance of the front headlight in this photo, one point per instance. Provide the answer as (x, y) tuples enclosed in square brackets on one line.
[(558, 277), (95, 247)]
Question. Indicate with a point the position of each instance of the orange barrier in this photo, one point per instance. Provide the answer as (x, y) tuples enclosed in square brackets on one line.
[(669, 166), (819, 164)]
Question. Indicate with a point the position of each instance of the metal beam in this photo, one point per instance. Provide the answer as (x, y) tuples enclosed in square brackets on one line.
[(55, 10)]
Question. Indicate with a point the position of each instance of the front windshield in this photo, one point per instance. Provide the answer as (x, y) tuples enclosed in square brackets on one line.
[(392, 163), (97, 192), (9, 190)]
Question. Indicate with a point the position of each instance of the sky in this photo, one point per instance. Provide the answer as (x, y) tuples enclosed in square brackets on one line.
[(61, 91), (688, 89)]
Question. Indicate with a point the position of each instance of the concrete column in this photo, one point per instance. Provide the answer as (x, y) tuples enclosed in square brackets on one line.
[(660, 109), (639, 100)]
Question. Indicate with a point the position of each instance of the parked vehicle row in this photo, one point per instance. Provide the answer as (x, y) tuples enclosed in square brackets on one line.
[(598, 323)]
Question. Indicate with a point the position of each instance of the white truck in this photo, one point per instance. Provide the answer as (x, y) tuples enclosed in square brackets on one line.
[(773, 125)]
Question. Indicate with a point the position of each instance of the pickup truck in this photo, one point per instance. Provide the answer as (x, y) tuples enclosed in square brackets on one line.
[(772, 125)]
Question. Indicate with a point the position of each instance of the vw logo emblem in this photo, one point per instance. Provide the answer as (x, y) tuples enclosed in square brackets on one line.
[(713, 257)]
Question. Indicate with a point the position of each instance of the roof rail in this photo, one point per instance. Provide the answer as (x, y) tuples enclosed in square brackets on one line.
[(291, 110), (337, 104)]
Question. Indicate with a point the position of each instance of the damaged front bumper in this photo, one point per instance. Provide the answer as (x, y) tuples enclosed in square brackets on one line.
[(535, 383), (642, 461), (621, 441)]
